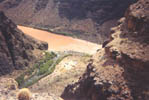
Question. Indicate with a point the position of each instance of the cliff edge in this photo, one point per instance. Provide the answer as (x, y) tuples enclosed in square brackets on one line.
[(120, 70)]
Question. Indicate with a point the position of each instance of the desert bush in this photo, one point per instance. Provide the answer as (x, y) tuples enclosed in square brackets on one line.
[(24, 94), (44, 68)]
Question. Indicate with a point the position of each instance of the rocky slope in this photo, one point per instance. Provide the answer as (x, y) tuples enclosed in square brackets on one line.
[(9, 90), (66, 72), (120, 70), (90, 19), (16, 49)]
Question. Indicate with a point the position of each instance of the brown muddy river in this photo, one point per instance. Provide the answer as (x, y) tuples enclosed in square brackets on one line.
[(61, 43)]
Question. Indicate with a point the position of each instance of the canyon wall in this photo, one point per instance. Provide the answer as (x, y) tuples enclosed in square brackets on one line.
[(15, 47), (120, 70), (90, 19)]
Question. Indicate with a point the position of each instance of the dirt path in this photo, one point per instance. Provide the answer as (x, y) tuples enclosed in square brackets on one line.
[(60, 42)]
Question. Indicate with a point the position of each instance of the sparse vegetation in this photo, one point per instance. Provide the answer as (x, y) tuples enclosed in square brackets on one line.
[(20, 79), (48, 29), (41, 69), (44, 67), (53, 31), (87, 55)]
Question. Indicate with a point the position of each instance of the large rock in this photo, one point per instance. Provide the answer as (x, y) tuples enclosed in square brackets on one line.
[(15, 47)]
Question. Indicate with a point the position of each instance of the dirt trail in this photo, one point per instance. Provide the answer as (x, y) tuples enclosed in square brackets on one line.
[(60, 42)]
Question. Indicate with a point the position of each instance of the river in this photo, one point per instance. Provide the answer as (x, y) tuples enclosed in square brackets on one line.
[(61, 43)]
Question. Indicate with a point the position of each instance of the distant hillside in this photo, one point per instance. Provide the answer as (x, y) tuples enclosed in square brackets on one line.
[(87, 19)]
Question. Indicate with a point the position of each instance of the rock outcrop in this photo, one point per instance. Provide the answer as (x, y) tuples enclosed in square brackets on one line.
[(90, 19), (16, 49), (120, 70)]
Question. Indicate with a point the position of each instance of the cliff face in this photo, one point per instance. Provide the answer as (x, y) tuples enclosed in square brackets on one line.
[(120, 70), (15, 48), (90, 19)]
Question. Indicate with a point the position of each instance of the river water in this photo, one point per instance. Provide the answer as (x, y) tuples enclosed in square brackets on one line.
[(61, 43)]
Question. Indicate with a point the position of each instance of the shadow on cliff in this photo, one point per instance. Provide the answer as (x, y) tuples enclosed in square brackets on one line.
[(98, 10)]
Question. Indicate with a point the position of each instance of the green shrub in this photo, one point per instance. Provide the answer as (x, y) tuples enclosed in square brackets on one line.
[(49, 56), (20, 79), (41, 69), (44, 68)]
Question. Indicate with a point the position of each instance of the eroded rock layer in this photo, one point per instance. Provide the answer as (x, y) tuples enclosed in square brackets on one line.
[(120, 70), (15, 47)]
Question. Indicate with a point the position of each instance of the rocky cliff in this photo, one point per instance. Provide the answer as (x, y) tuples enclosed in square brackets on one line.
[(16, 49), (90, 19), (120, 70)]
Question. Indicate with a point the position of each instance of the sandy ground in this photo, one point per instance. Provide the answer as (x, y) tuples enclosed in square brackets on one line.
[(60, 42), (66, 72)]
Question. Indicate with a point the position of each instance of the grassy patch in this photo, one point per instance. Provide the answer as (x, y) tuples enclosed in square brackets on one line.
[(20, 79), (44, 67), (41, 69), (87, 55)]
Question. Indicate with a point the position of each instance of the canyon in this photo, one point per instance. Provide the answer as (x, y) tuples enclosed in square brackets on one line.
[(89, 20), (116, 70)]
